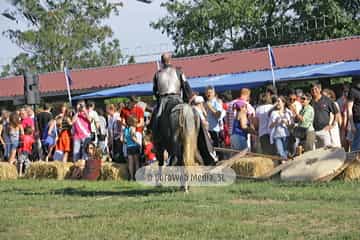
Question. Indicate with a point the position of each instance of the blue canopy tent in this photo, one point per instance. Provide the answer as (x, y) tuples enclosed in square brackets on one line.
[(239, 80)]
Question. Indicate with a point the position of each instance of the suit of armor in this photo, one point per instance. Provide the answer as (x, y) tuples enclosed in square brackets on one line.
[(171, 81), (168, 82), (171, 89)]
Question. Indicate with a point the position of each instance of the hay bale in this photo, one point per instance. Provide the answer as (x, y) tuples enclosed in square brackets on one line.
[(352, 172), (48, 170), (253, 166), (80, 163), (7, 171), (113, 171), (76, 170), (322, 164)]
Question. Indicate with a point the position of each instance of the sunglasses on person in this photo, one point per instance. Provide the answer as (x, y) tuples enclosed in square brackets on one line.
[(304, 98)]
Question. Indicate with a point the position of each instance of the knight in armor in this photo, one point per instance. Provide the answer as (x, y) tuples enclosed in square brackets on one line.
[(171, 88)]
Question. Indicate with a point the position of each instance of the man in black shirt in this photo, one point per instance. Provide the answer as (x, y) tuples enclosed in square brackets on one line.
[(353, 107), (43, 118), (324, 119)]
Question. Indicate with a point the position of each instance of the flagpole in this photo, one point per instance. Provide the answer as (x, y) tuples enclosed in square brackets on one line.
[(273, 75), (271, 65), (68, 86)]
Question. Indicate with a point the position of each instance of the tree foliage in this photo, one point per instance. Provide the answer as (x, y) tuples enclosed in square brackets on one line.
[(63, 32), (206, 26), (131, 60)]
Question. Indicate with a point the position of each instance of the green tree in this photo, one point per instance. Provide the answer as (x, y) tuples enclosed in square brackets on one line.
[(63, 32), (206, 26)]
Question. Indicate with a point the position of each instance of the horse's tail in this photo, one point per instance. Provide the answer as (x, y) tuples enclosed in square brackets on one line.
[(188, 134)]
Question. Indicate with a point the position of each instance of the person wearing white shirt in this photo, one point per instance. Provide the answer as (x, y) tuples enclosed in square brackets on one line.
[(280, 121), (214, 113), (95, 121), (262, 118)]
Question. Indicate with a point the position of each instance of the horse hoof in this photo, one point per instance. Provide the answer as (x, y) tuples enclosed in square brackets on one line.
[(184, 189)]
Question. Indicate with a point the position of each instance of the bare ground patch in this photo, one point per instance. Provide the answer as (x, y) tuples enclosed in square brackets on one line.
[(256, 201)]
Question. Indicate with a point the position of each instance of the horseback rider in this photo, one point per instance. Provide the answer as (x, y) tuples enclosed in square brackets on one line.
[(171, 88)]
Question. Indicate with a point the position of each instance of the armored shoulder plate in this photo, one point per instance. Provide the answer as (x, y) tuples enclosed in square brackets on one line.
[(168, 81)]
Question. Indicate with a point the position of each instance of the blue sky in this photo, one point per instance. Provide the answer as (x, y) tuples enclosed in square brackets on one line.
[(131, 27)]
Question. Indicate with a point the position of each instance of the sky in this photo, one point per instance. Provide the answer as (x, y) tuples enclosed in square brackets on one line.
[(131, 27)]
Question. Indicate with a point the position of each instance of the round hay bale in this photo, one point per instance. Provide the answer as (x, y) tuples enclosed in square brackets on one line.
[(114, 171), (253, 166), (48, 170), (7, 171), (352, 172), (314, 165)]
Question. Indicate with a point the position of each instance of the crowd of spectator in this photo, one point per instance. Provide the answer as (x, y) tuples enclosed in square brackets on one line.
[(284, 125), (271, 123)]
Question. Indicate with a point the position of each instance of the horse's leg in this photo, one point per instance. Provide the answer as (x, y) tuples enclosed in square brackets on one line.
[(160, 157), (176, 152)]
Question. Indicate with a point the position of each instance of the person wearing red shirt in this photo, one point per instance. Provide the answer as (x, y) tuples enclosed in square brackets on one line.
[(26, 120), (133, 110), (150, 156), (27, 140), (125, 113)]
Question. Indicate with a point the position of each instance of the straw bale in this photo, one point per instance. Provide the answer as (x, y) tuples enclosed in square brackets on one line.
[(76, 170), (253, 166), (48, 170), (113, 171), (352, 172), (318, 165), (7, 171)]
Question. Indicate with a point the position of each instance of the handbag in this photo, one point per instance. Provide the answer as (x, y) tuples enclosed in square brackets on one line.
[(300, 132), (49, 141)]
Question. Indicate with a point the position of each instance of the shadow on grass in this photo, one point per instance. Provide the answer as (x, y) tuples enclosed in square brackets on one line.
[(69, 191), (128, 193)]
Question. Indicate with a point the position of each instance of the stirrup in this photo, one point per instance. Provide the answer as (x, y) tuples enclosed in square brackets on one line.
[(214, 156)]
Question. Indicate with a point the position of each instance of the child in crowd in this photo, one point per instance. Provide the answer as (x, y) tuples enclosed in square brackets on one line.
[(51, 136), (25, 150), (93, 164), (150, 156), (133, 146)]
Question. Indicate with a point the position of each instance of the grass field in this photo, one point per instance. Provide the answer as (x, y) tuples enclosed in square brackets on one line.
[(32, 209)]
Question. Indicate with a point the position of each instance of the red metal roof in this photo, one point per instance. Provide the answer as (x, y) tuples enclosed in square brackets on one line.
[(335, 50)]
